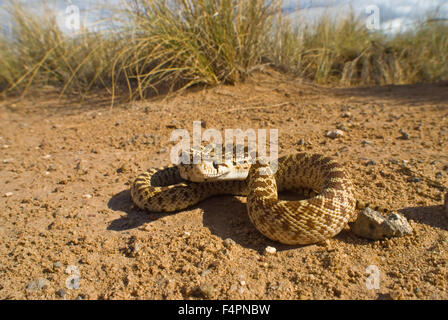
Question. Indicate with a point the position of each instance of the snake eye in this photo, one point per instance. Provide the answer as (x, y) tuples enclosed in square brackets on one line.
[(215, 165)]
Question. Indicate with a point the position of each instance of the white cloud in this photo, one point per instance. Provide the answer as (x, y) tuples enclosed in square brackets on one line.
[(395, 15)]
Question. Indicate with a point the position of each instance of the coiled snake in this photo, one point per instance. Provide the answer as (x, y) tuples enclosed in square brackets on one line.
[(291, 222)]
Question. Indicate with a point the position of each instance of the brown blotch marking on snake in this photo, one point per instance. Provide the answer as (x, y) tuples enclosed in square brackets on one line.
[(263, 193), (299, 157), (315, 158), (329, 205), (330, 167), (328, 219), (316, 202), (321, 162), (336, 185), (310, 223), (338, 174), (258, 184), (285, 225), (329, 194)]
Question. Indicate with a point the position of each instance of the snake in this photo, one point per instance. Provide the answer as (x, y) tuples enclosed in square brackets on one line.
[(323, 215)]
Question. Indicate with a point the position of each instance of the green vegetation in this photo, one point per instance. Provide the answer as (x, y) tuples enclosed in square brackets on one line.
[(165, 48)]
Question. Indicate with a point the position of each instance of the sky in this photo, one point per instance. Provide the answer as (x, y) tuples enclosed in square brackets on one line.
[(394, 15)]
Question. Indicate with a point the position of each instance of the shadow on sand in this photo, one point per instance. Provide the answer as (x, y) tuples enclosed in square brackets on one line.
[(226, 217)]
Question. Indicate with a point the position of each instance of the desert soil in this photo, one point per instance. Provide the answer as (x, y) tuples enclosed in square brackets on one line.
[(66, 217)]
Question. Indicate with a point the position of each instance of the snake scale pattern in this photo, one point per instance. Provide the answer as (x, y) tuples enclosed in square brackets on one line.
[(291, 222)]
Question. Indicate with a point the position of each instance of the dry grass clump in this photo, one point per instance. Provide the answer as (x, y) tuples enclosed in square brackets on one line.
[(159, 46)]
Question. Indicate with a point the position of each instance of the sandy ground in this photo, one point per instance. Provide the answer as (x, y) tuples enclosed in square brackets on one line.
[(66, 216)]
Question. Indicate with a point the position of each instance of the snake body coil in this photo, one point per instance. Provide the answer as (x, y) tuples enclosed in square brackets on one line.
[(290, 222)]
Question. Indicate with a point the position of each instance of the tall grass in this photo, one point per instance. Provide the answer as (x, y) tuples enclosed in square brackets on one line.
[(191, 42), (162, 46), (345, 52)]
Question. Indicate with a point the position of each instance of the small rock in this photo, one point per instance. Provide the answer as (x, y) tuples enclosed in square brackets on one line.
[(372, 225), (445, 168), (123, 168), (9, 160), (51, 167), (414, 179), (404, 135), (81, 166), (8, 194), (228, 243), (270, 250), (87, 196), (57, 265), (206, 290), (346, 115), (394, 161), (38, 284), (439, 175), (300, 142), (333, 134), (61, 293), (367, 142), (172, 125), (205, 272), (371, 163)]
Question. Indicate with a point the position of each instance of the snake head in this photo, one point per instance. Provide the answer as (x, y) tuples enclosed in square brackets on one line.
[(208, 167)]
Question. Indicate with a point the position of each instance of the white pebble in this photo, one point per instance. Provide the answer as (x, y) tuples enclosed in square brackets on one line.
[(8, 160), (243, 283), (87, 196), (270, 250), (8, 194), (48, 156), (334, 134)]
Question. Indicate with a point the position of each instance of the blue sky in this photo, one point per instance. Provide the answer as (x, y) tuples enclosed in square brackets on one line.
[(394, 14)]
